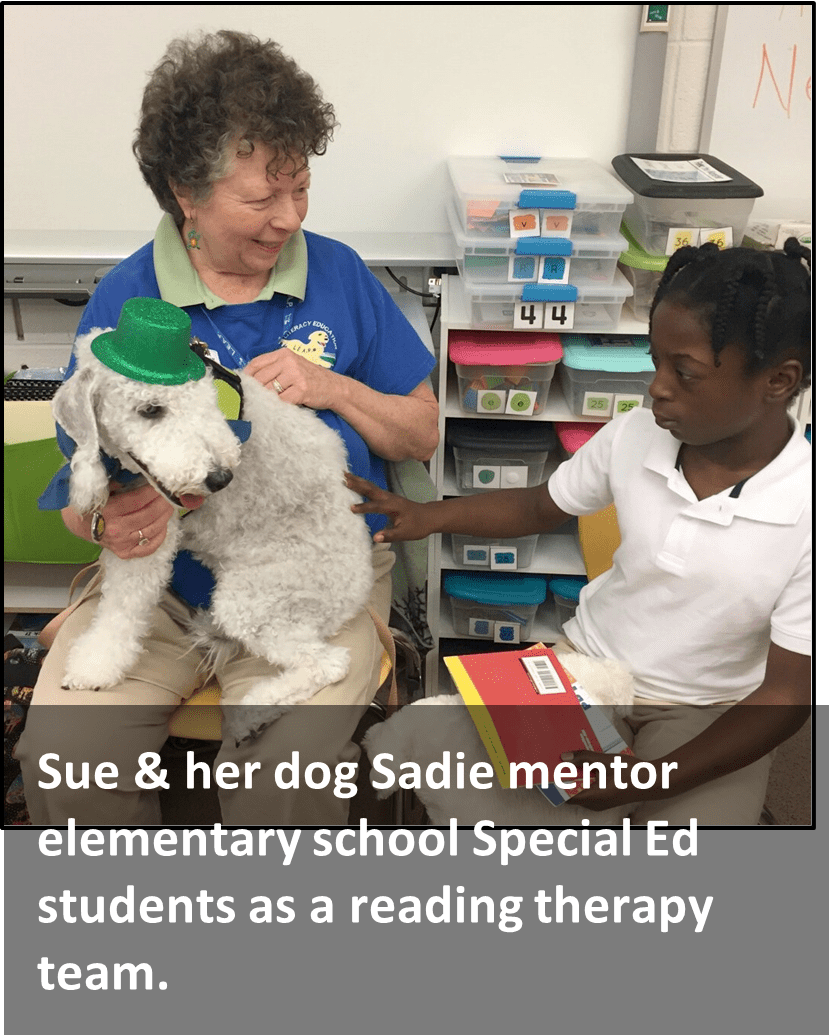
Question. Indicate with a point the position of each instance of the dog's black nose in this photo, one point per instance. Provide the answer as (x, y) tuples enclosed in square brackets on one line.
[(218, 479)]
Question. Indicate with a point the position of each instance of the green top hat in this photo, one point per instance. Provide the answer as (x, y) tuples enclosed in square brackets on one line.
[(150, 344)]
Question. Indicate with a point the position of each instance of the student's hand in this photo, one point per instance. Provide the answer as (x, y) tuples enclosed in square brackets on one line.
[(407, 519), (594, 797)]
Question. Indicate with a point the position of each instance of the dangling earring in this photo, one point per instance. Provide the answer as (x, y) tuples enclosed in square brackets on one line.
[(193, 237)]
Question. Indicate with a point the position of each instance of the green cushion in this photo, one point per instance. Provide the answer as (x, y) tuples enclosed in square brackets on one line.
[(29, 534)]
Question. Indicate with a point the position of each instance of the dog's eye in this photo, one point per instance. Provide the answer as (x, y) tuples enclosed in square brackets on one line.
[(151, 411)]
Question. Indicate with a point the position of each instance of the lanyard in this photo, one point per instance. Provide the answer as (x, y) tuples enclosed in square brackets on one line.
[(233, 354)]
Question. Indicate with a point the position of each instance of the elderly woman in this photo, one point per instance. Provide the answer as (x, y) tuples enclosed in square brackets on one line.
[(228, 125)]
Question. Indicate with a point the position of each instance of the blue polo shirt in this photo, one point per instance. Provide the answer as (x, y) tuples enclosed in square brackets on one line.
[(321, 301)]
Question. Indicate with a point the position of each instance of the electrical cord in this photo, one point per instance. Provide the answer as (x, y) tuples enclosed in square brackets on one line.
[(396, 279), (420, 294)]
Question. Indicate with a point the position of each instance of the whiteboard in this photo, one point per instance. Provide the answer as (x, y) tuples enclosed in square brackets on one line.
[(758, 111), (411, 84)]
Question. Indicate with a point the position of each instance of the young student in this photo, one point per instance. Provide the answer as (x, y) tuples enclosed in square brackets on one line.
[(709, 599)]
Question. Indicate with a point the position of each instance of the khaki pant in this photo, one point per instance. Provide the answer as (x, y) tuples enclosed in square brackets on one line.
[(119, 725), (735, 800), (655, 728)]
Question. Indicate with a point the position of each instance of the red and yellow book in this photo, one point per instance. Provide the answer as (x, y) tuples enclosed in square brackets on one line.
[(528, 709)]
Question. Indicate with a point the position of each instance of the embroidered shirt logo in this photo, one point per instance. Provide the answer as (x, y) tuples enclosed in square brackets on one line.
[(313, 341)]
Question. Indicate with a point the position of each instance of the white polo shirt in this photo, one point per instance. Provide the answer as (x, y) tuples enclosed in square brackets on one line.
[(698, 588)]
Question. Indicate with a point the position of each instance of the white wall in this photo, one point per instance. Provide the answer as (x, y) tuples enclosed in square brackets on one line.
[(686, 74), (411, 84), (759, 114)]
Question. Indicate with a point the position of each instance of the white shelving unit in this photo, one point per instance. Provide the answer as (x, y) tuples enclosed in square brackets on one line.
[(557, 553)]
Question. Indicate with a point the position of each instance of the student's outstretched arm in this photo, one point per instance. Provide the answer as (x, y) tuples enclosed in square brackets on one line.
[(505, 512)]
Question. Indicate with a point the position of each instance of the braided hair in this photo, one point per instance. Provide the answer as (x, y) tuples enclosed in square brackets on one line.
[(759, 300)]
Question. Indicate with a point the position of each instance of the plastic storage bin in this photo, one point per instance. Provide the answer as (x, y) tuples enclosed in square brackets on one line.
[(566, 590), (499, 454), (480, 552), (684, 197), (604, 380), (485, 189), (504, 374), (494, 606), (574, 434), (597, 307), (526, 260), (644, 271)]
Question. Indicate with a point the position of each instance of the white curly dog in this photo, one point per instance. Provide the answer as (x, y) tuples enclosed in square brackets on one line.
[(292, 563)]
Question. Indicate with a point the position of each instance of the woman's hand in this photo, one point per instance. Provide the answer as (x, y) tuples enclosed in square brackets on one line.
[(135, 522), (296, 379), (407, 520), (393, 427)]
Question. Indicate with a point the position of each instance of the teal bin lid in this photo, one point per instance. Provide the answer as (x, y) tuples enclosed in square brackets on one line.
[(501, 435), (568, 587), (495, 588), (584, 353), (614, 340)]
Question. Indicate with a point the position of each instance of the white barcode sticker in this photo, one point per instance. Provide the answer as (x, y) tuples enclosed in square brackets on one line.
[(543, 675)]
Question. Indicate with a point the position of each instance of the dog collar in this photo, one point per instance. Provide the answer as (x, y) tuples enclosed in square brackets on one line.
[(231, 397)]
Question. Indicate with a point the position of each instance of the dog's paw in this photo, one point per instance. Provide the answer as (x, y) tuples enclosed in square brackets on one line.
[(275, 696), (331, 665), (86, 680), (88, 670), (70, 683), (246, 722)]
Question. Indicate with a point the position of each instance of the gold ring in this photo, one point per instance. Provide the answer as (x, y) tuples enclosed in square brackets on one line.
[(277, 386), (142, 539), (97, 526)]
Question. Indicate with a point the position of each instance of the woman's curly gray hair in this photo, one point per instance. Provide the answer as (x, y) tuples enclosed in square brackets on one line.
[(212, 92)]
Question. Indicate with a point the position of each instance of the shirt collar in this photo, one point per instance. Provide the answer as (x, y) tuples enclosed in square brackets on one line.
[(661, 458), (792, 492), (180, 285), (785, 473)]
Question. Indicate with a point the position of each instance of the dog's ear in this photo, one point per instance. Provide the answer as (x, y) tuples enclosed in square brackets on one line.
[(74, 410)]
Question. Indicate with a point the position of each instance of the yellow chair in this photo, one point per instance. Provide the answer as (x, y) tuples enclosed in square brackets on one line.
[(599, 538), (200, 717)]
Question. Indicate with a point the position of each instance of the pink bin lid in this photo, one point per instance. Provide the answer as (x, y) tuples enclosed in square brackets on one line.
[(573, 434), (501, 348)]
